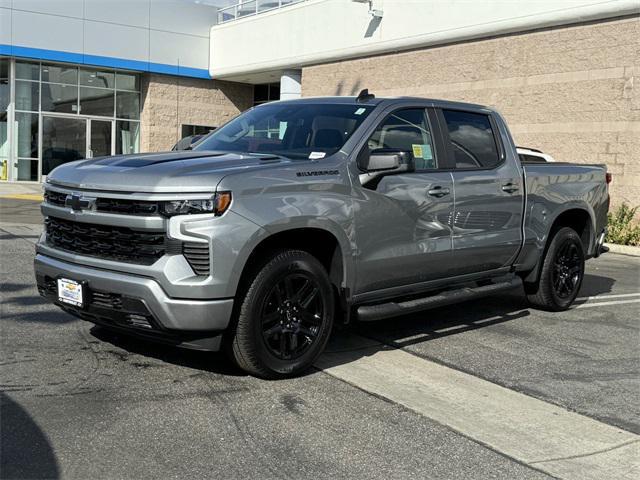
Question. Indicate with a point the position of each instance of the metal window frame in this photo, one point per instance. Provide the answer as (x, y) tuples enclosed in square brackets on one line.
[(12, 131)]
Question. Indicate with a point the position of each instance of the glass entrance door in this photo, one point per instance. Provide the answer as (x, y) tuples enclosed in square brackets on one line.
[(64, 139), (100, 138)]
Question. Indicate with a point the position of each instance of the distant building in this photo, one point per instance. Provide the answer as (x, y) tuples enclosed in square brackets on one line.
[(85, 78)]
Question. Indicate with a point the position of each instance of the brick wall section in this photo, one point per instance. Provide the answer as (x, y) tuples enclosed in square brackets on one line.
[(572, 91), (169, 102)]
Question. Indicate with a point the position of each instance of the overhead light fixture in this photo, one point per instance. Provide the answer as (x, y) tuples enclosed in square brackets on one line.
[(372, 11)]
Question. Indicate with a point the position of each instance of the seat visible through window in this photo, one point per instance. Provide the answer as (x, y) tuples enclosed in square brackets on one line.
[(406, 131), (328, 138)]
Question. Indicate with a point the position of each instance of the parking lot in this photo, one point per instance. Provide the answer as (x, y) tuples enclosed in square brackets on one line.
[(485, 389)]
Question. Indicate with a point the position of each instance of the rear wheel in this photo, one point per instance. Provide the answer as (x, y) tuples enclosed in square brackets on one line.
[(285, 317), (562, 272)]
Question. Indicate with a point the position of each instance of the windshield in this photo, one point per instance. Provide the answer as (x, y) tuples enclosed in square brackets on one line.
[(292, 130)]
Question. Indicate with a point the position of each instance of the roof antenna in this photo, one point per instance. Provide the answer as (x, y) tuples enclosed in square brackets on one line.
[(364, 95)]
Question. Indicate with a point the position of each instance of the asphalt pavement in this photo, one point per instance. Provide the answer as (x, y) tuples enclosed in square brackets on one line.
[(81, 402)]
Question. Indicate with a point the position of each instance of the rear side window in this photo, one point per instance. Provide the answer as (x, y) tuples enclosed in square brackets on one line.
[(531, 158), (472, 139)]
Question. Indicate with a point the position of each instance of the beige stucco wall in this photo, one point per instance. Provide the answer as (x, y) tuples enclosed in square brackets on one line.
[(169, 102), (573, 91)]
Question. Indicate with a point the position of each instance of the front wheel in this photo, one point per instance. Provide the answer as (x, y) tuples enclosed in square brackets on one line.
[(285, 317), (562, 272)]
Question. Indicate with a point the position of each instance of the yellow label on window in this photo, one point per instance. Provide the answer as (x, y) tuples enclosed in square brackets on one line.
[(3, 169), (422, 151)]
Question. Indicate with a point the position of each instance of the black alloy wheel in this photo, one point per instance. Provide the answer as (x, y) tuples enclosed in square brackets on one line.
[(284, 316), (292, 315), (561, 272), (567, 269)]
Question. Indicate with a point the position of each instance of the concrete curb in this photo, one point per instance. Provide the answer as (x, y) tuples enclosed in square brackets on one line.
[(624, 249)]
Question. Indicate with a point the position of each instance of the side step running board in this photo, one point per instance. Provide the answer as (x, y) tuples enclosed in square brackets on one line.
[(370, 313)]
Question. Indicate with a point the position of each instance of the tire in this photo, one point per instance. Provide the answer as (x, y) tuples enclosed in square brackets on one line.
[(561, 274), (285, 317)]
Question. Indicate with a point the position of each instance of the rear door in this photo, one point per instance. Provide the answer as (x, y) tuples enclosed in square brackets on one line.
[(402, 222), (487, 214)]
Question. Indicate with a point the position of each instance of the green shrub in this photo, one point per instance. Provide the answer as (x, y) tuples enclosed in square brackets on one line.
[(623, 228)]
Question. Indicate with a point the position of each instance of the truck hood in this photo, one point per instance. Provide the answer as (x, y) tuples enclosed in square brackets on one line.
[(171, 172)]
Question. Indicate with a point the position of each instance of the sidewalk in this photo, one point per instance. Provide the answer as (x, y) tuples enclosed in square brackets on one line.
[(21, 191)]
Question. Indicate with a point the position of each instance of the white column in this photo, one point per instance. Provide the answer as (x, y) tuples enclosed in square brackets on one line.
[(291, 84)]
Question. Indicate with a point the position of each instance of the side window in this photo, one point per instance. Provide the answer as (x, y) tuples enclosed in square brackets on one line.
[(407, 131), (472, 139)]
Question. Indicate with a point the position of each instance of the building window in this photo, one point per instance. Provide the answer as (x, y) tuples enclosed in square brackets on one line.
[(81, 111), (4, 121), (189, 130), (266, 92)]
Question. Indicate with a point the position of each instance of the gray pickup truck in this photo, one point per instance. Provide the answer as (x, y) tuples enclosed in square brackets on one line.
[(299, 215)]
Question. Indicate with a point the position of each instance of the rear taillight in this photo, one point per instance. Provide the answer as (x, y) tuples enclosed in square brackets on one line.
[(608, 178)]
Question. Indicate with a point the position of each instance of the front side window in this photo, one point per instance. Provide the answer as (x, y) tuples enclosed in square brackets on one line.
[(295, 131), (406, 131), (472, 139)]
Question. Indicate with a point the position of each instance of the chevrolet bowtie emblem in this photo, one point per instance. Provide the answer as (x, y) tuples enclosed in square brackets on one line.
[(77, 203)]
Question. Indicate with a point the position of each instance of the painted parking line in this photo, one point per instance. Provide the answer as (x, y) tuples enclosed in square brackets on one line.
[(605, 300), (604, 304), (545, 436), (23, 196), (599, 297)]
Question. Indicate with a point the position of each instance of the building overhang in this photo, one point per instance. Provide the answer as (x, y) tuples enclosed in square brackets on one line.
[(322, 31)]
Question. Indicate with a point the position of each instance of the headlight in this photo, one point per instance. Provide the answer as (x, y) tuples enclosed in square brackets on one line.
[(218, 204)]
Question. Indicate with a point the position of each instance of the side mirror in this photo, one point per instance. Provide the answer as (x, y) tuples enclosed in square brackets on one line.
[(381, 162)]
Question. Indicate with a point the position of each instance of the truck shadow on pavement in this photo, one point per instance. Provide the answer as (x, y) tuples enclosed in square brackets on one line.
[(18, 300), (396, 332), (212, 362), (437, 323), (26, 451)]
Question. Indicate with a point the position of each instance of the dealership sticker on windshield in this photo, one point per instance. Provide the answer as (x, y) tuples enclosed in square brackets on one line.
[(360, 111), (316, 155), (70, 291)]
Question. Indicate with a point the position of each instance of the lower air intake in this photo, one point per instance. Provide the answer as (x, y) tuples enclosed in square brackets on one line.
[(197, 254)]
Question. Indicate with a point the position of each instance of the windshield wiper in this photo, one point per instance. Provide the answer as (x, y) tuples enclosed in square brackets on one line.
[(268, 155)]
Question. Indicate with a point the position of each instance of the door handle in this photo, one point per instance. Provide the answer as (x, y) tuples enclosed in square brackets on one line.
[(439, 191), (510, 187)]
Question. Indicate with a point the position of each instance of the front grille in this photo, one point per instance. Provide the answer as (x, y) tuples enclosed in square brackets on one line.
[(55, 198), (197, 254), (103, 241), (121, 206), (127, 207)]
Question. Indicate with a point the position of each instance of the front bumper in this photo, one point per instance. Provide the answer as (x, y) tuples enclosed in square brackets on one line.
[(127, 302)]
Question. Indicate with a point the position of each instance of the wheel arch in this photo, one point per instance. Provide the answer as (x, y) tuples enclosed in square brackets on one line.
[(329, 245), (577, 217)]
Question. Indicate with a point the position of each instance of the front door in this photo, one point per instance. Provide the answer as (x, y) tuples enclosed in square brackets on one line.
[(403, 222), (100, 138), (64, 139), (69, 138)]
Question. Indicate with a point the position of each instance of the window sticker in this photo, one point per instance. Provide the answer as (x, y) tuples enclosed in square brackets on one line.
[(360, 111), (316, 155), (422, 151)]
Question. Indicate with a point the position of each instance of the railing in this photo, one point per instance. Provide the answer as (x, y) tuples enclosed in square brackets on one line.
[(251, 7)]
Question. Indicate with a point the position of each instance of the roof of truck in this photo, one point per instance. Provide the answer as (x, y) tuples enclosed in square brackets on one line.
[(378, 100)]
